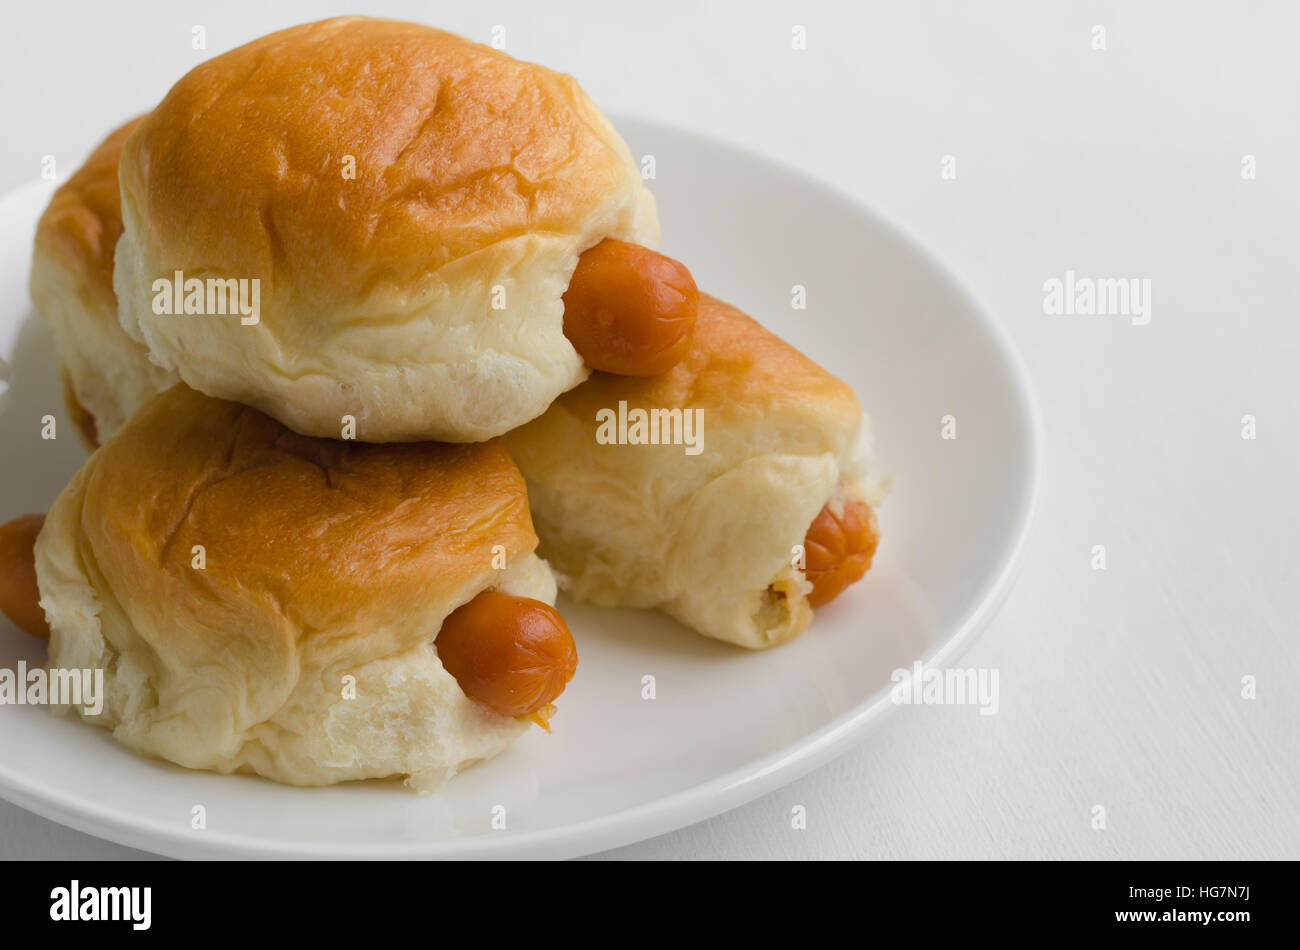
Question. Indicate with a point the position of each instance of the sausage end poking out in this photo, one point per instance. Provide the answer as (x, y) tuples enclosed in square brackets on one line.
[(19, 595), (513, 654), (838, 549), (630, 310)]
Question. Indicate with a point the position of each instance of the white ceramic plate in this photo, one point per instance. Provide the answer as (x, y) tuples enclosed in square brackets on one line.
[(727, 725)]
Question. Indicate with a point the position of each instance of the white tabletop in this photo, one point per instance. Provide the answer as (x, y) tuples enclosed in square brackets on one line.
[(1120, 687)]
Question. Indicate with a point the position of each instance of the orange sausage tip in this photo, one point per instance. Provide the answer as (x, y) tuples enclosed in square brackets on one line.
[(19, 592), (629, 310), (839, 549)]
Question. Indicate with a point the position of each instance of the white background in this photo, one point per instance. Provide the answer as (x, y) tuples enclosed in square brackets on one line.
[(1120, 688)]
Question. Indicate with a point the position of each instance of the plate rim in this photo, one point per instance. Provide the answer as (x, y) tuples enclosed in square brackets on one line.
[(679, 809)]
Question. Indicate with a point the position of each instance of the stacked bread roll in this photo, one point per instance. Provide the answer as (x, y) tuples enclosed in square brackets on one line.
[(345, 304)]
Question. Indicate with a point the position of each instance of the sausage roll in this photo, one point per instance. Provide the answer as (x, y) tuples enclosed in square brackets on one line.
[(732, 492), (308, 610), (106, 374), (394, 247)]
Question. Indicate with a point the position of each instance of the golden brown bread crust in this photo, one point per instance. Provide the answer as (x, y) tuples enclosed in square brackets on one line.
[(268, 603), (83, 220), (410, 207), (705, 533), (456, 146), (320, 532), (106, 373)]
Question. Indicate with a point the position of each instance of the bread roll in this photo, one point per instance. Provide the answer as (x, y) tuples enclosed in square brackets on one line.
[(706, 532), (301, 647), (107, 375), (412, 206)]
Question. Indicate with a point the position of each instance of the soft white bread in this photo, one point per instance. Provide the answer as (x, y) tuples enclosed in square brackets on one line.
[(322, 561), (413, 206), (107, 375), (709, 538)]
